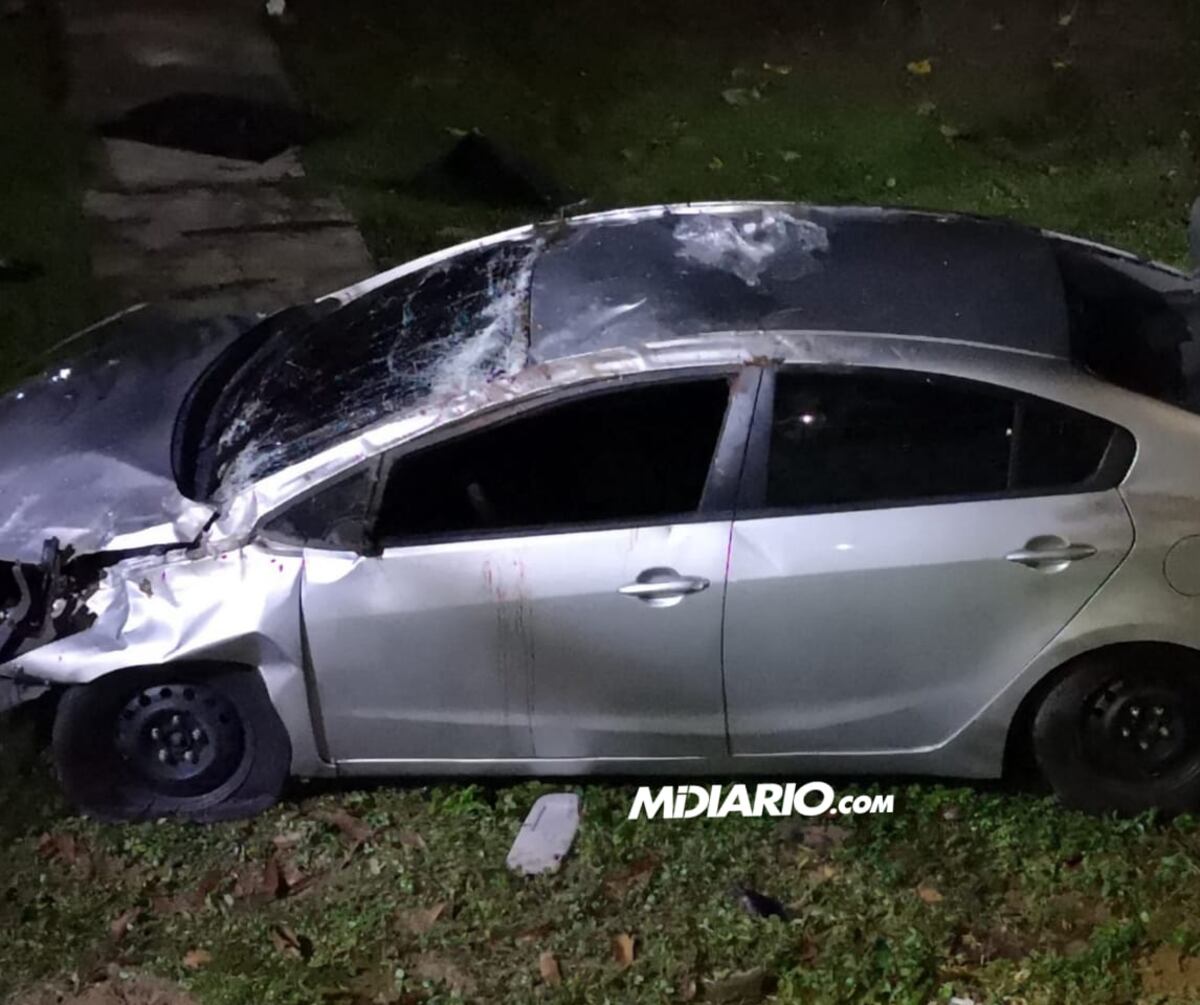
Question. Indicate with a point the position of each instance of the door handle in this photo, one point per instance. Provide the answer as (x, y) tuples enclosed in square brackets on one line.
[(1049, 553), (662, 587)]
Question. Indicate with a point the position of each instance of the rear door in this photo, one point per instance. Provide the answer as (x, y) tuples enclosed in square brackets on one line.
[(908, 544)]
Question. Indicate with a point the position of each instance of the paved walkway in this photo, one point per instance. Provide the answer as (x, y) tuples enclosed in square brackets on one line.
[(204, 233)]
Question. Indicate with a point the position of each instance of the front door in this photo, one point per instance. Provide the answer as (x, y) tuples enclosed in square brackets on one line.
[(550, 585), (915, 544)]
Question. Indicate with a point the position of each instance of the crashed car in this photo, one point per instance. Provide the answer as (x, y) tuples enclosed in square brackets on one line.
[(685, 489)]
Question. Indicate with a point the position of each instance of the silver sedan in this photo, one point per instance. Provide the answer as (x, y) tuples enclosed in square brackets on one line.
[(679, 490)]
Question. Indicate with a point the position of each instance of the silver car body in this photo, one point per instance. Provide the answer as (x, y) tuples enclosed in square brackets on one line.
[(895, 639)]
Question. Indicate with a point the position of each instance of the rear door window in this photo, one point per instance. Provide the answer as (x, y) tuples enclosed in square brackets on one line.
[(873, 439)]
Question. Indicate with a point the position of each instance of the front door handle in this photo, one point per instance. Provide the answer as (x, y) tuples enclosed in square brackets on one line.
[(663, 587), (1049, 553)]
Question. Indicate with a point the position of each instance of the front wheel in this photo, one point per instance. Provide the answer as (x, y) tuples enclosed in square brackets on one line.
[(1121, 731), (205, 744)]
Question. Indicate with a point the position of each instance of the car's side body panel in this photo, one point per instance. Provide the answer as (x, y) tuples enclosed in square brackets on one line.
[(519, 647), (248, 607), (887, 629)]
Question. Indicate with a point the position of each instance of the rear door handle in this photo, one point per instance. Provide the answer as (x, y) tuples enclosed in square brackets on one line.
[(1050, 554)]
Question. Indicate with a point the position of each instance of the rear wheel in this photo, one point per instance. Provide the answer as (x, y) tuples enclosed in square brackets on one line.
[(1121, 731), (146, 743)]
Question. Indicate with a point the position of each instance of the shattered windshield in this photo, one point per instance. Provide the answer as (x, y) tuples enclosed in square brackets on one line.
[(441, 329)]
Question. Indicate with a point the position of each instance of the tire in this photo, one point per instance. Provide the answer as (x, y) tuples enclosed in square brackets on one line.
[(1121, 732), (202, 743)]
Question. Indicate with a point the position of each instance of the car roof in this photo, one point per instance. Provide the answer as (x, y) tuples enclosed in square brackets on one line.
[(458, 318)]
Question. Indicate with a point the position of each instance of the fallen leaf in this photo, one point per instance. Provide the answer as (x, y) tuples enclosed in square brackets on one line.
[(949, 131), (419, 920), (61, 846), (289, 944), (432, 967), (1065, 20), (120, 924), (1169, 972), (548, 968), (411, 839), (788, 156), (926, 108), (687, 989), (194, 959), (287, 840), (920, 67), (623, 949), (716, 164), (349, 825), (929, 894), (637, 873), (535, 933)]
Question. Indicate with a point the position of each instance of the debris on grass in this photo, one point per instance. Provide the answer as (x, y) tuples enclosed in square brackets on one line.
[(548, 968), (1167, 971), (546, 835), (419, 920), (624, 947), (194, 959), (759, 905)]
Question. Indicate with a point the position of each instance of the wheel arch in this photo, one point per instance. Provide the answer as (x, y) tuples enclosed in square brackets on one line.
[(1018, 746)]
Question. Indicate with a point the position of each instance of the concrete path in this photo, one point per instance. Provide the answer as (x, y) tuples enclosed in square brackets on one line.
[(207, 234)]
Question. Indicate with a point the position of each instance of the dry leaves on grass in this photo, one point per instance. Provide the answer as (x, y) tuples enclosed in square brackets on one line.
[(636, 874), (351, 827), (929, 894), (288, 943), (120, 924), (433, 967), (419, 920), (69, 850), (194, 959), (192, 900), (1168, 972), (623, 949), (548, 968)]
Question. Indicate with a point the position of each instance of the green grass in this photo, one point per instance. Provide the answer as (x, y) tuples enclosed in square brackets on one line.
[(41, 160), (1088, 128), (994, 896)]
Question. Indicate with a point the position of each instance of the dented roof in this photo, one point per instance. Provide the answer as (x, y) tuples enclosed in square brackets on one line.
[(460, 318)]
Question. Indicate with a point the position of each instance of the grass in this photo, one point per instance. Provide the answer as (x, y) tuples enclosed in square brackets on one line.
[(1088, 127), (41, 221), (1080, 118), (404, 897)]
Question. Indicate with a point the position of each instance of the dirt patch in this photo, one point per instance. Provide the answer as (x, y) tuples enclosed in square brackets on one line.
[(132, 990), (1168, 972)]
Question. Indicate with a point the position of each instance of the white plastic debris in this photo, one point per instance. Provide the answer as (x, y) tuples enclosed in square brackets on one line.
[(276, 8), (961, 1001), (546, 835)]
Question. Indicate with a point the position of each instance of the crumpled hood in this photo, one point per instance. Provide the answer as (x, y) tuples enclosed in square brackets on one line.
[(85, 447)]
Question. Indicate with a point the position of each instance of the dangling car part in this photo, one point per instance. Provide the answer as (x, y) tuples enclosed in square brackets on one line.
[(705, 488)]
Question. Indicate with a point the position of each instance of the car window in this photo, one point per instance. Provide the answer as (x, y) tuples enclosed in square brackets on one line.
[(333, 516), (839, 440), (638, 454)]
